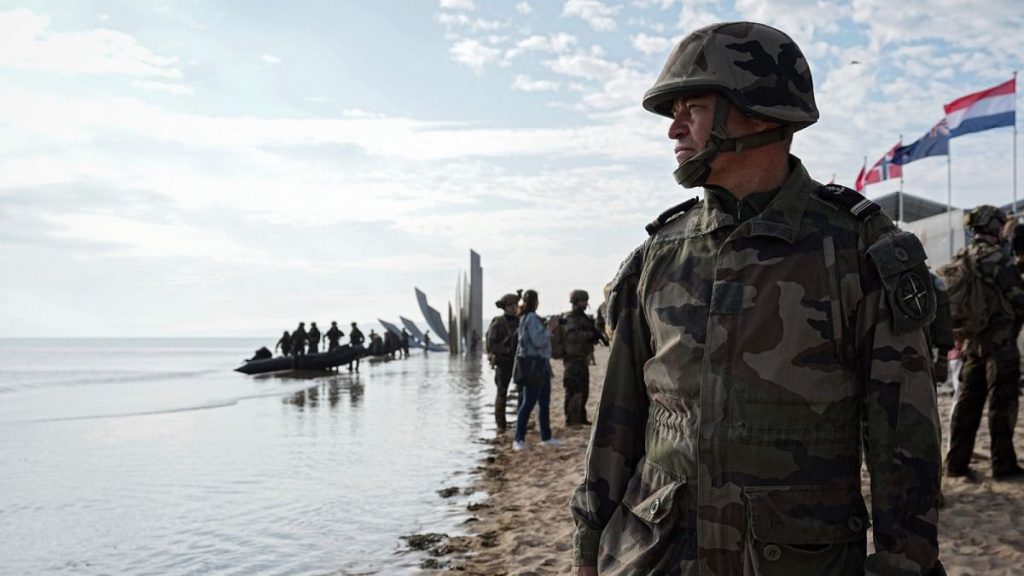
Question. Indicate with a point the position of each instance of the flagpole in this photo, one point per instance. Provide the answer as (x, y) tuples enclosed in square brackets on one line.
[(1015, 142), (900, 197), (949, 199)]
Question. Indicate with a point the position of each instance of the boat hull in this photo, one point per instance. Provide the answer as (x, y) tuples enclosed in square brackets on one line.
[(323, 361)]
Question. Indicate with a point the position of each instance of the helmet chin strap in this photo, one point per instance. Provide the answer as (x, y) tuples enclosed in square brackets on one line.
[(695, 170)]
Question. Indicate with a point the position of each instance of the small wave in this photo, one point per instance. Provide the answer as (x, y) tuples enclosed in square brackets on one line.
[(85, 378), (223, 403)]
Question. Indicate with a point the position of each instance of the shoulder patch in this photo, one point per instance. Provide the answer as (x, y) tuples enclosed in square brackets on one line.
[(908, 285), (848, 199), (669, 215)]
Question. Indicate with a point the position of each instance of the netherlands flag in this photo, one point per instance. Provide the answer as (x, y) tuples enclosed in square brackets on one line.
[(992, 108)]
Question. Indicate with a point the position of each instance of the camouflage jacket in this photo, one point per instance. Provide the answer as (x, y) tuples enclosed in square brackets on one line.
[(1005, 290), (748, 364), (576, 336), (503, 336)]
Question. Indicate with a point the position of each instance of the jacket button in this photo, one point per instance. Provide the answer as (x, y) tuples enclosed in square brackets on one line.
[(855, 524), (772, 552), (655, 506)]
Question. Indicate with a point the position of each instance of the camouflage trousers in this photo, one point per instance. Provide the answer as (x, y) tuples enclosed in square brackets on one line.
[(502, 378), (994, 377), (577, 389)]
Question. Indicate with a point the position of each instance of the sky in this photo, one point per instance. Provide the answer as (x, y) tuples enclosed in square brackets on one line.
[(214, 168)]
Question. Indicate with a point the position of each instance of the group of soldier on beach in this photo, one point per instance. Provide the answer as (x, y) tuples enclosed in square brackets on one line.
[(574, 334), (302, 341)]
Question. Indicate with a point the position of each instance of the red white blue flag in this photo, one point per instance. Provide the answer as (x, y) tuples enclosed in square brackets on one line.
[(991, 108), (886, 168)]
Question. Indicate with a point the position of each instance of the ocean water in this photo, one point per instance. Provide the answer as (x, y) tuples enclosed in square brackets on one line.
[(153, 457)]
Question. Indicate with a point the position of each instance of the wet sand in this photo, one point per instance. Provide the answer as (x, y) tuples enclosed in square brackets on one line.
[(524, 528)]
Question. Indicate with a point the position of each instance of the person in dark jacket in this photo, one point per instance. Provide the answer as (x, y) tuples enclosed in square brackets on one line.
[(502, 342), (285, 344), (313, 337)]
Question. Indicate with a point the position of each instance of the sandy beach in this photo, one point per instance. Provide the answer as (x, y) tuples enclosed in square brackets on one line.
[(524, 528)]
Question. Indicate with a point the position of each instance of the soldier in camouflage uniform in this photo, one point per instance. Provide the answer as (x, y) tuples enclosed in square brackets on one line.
[(355, 338), (502, 341), (299, 338), (993, 351), (760, 335), (333, 336), (313, 337), (573, 341), (285, 344)]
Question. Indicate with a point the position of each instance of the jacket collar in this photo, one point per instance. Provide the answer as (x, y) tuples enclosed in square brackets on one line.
[(780, 219)]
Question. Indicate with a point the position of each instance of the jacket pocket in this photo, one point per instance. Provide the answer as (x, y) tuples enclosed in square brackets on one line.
[(817, 529), (649, 532)]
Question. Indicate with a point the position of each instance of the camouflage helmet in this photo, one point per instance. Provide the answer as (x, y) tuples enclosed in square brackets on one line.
[(507, 300), (578, 296), (759, 69), (986, 219), (754, 67)]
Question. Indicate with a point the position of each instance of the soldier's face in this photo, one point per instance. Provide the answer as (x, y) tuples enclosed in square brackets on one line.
[(693, 117), (693, 121), (580, 305)]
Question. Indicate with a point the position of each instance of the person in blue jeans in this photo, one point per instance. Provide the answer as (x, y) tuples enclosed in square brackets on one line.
[(534, 358)]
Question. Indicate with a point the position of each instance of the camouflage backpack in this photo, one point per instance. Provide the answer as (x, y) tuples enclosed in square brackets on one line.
[(969, 311)]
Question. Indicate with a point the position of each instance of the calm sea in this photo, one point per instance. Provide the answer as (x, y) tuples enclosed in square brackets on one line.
[(150, 456)]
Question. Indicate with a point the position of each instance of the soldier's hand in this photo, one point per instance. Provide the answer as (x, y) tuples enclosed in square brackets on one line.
[(940, 371), (584, 571)]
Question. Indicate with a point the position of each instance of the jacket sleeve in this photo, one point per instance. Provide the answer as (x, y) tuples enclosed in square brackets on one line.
[(534, 330), (901, 437), (617, 438)]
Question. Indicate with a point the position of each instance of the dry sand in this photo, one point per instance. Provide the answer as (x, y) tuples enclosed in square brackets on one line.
[(524, 527)]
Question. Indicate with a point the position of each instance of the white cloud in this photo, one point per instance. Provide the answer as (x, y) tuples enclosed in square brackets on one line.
[(804, 20), (662, 4), (995, 29), (524, 83), (30, 43), (557, 42), (653, 44), (462, 21), (457, 4), (583, 65), (270, 59), (474, 54), (524, 8), (599, 15), (174, 88), (694, 15), (621, 85), (137, 238)]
